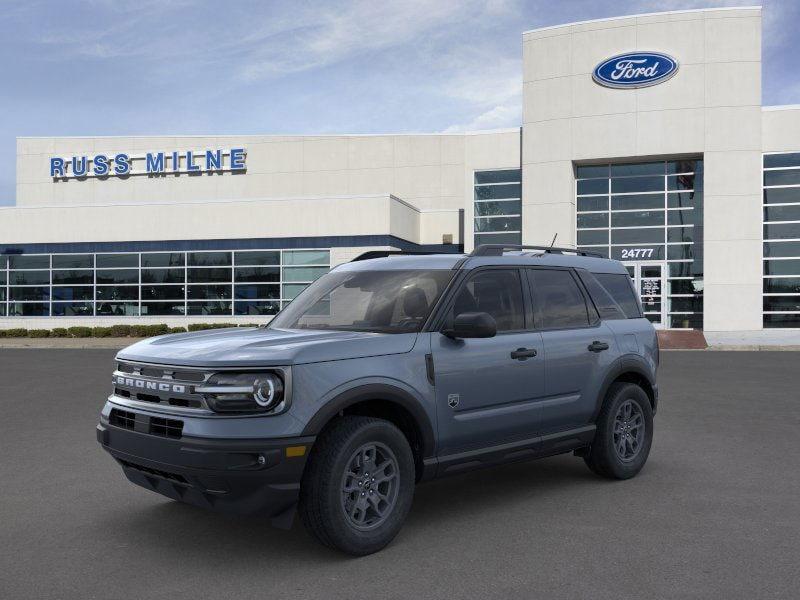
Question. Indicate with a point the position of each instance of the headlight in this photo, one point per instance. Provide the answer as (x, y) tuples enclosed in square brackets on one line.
[(243, 392)]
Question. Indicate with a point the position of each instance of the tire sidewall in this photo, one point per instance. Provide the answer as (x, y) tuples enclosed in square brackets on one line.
[(349, 538)]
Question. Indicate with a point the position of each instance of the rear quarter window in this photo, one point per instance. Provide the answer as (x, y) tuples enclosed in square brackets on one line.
[(620, 288)]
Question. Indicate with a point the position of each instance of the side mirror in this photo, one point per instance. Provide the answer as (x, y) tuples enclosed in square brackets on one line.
[(472, 325)]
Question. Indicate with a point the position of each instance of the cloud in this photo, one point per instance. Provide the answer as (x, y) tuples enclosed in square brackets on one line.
[(330, 35), (497, 117)]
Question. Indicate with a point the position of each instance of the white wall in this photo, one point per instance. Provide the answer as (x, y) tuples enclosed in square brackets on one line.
[(780, 127), (712, 106), (295, 217), (422, 169)]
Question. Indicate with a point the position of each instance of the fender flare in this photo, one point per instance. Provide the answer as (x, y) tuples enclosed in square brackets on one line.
[(630, 363), (376, 391)]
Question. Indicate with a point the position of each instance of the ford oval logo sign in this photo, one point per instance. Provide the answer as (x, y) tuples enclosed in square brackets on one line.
[(635, 70)]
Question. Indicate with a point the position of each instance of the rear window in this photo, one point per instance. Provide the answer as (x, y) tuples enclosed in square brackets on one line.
[(606, 306), (620, 288)]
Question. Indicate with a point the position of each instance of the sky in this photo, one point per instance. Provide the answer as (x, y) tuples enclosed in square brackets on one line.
[(172, 67)]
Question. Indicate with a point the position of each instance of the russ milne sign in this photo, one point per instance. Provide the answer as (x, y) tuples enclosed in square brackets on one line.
[(635, 70), (151, 163)]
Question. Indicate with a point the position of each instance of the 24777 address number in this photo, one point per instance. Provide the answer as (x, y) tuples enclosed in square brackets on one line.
[(637, 252)]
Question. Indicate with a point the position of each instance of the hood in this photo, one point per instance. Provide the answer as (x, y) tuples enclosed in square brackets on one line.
[(258, 346)]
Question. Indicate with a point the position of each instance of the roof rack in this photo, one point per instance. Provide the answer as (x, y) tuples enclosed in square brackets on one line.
[(498, 249), (384, 253)]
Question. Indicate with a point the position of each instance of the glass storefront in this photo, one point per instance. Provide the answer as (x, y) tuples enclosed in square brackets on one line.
[(230, 283), (498, 207), (649, 215), (781, 301)]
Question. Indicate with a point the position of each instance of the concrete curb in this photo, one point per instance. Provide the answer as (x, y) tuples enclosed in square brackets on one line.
[(755, 347), (739, 348)]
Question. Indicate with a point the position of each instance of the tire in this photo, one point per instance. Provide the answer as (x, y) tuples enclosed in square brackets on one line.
[(623, 455), (339, 504)]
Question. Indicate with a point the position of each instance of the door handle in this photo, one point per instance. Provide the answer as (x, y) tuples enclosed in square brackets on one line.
[(597, 346), (523, 353)]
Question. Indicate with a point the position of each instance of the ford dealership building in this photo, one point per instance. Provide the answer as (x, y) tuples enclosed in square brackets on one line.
[(643, 138)]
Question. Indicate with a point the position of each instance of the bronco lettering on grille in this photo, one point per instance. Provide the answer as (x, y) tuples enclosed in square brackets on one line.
[(144, 384)]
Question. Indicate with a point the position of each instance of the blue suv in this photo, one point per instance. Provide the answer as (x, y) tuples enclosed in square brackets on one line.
[(390, 370)]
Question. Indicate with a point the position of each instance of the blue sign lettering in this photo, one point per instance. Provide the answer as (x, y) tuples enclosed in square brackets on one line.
[(121, 164), (56, 167), (150, 163), (635, 70), (154, 163), (237, 159), (100, 164), (79, 166), (213, 160), (190, 166)]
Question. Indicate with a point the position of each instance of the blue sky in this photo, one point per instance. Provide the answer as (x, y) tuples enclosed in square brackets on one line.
[(152, 67)]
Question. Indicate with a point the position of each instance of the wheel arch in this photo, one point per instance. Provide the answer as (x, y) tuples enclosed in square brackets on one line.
[(384, 401), (630, 369)]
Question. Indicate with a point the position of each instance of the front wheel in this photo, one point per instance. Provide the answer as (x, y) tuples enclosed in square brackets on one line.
[(624, 433), (357, 489)]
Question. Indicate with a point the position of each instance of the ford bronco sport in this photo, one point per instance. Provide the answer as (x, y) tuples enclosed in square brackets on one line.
[(385, 372)]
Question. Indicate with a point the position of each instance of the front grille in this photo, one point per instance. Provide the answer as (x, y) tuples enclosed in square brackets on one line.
[(157, 472), (171, 428), (162, 372), (160, 385), (122, 418)]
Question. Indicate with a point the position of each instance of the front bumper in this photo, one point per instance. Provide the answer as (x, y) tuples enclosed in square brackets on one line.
[(246, 477)]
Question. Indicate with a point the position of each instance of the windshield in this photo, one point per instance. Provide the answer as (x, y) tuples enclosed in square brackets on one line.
[(377, 301)]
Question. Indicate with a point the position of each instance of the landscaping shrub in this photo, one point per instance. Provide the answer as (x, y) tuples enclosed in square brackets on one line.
[(203, 326), (16, 332), (80, 332), (101, 332), (38, 333), (59, 332), (120, 330), (149, 330), (177, 329)]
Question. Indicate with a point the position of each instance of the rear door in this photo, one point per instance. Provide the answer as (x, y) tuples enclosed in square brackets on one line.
[(487, 389), (578, 348)]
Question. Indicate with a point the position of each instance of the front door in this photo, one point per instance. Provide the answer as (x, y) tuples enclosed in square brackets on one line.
[(649, 280), (487, 389)]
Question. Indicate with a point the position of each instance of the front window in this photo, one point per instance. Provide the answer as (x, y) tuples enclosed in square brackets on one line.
[(376, 301), (497, 292)]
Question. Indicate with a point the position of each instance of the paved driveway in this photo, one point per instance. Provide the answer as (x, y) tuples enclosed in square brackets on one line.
[(715, 513)]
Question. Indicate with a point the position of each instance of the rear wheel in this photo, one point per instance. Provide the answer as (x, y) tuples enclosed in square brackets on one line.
[(624, 433), (357, 489)]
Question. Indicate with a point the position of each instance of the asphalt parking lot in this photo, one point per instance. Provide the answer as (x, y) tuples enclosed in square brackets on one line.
[(715, 513)]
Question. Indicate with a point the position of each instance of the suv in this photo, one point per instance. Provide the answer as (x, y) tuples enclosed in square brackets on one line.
[(386, 372)]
